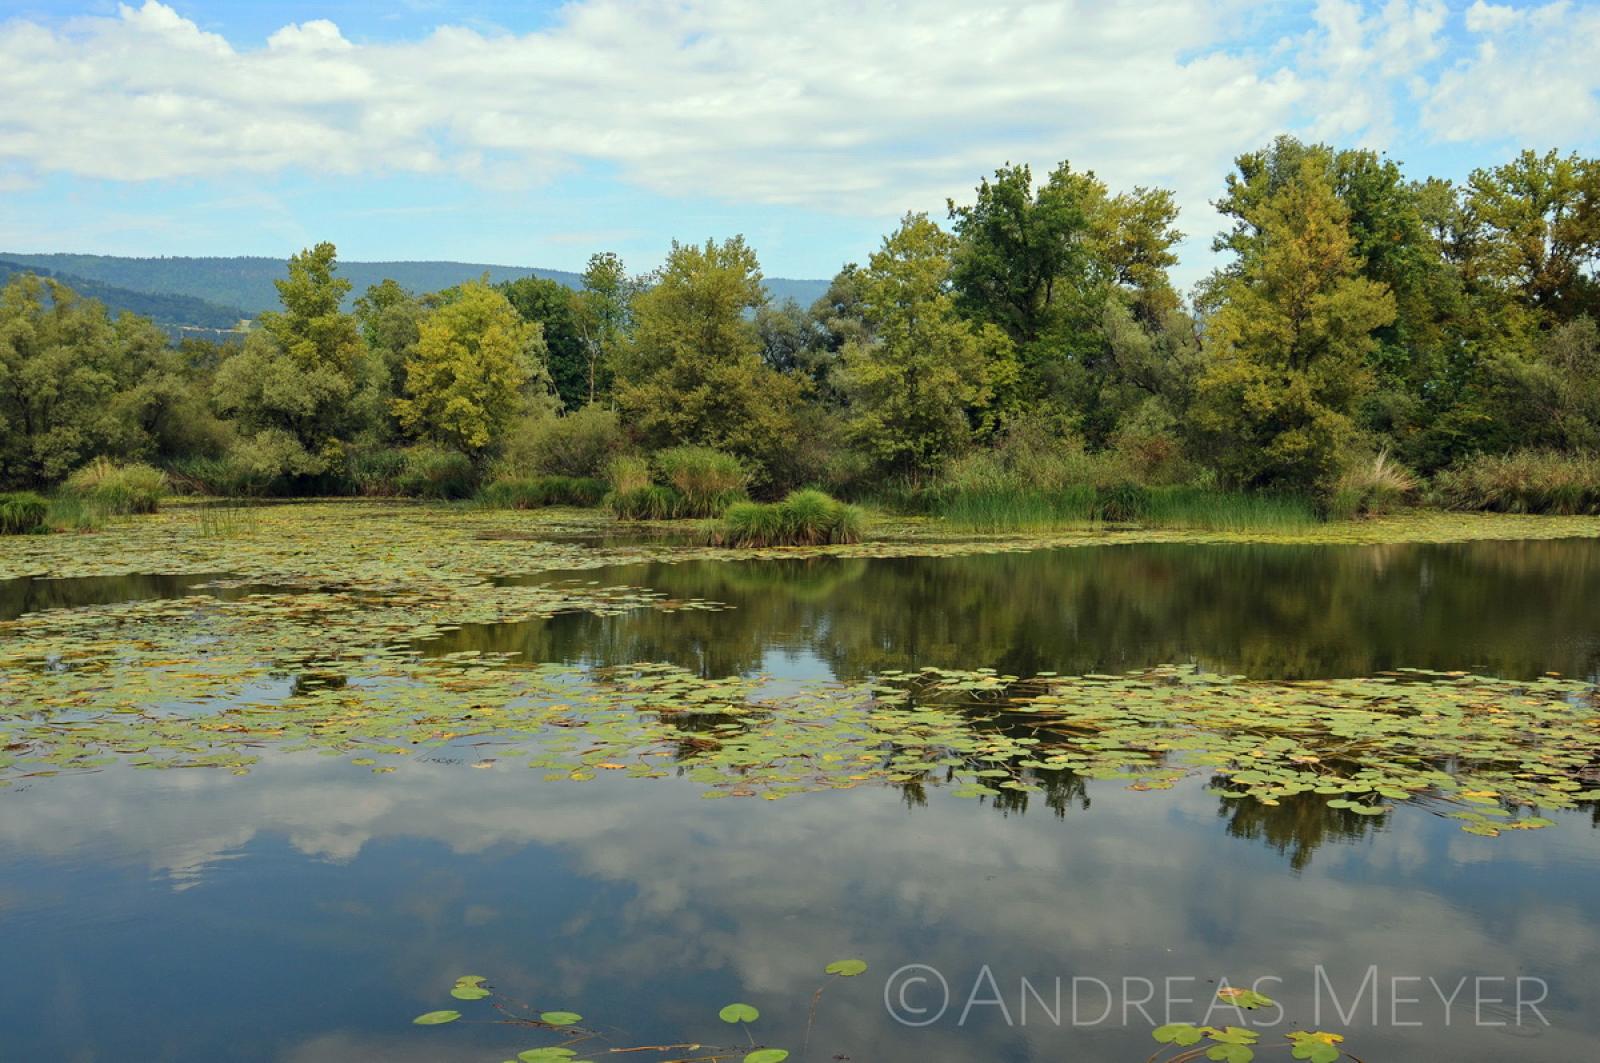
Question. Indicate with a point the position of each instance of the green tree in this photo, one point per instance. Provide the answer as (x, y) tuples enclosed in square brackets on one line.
[(476, 365), (922, 386), (554, 308), (65, 368), (601, 316), (1288, 341), (389, 317), (691, 372), (1536, 221), (298, 372)]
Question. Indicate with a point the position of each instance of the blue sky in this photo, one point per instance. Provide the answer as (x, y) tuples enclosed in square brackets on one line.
[(535, 134)]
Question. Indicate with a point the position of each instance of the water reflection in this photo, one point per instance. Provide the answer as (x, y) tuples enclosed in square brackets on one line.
[(305, 913), (1515, 609)]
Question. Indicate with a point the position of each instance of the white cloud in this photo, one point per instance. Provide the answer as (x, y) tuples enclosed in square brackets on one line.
[(1532, 78)]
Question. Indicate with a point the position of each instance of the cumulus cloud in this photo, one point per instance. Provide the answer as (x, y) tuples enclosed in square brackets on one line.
[(1531, 75), (857, 110)]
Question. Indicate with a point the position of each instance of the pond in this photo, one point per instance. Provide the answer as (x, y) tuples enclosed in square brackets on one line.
[(301, 891)]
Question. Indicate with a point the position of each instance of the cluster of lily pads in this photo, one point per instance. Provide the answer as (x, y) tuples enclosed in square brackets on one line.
[(327, 660), (576, 1038)]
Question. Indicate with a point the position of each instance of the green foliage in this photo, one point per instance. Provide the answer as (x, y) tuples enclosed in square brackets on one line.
[(21, 512), (628, 472), (118, 489), (75, 384), (437, 472), (581, 443), (803, 518), (475, 364), (555, 308), (650, 502), (691, 372), (1372, 487), (706, 481), (1288, 344), (1536, 228), (532, 493), (298, 373), (1522, 482), (923, 385)]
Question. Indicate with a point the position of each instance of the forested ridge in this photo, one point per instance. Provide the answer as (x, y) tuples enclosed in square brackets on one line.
[(1371, 338)]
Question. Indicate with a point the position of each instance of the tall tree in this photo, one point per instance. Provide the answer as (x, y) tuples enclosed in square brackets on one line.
[(1537, 223), (921, 386), (297, 373), (1288, 341), (601, 317), (555, 308), (476, 364), (691, 372)]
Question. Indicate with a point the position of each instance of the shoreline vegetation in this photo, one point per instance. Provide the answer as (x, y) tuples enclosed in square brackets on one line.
[(1373, 344)]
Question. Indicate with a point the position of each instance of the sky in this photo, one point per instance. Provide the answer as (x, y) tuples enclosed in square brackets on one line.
[(536, 134)]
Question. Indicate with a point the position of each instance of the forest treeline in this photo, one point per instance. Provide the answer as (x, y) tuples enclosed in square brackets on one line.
[(1367, 331)]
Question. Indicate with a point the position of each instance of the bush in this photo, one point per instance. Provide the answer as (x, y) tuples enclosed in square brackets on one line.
[(1529, 481), (804, 518), (706, 481), (1372, 487), (117, 489), (509, 493), (437, 472), (21, 512), (578, 445)]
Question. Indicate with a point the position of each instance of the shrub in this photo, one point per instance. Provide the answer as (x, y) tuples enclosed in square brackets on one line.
[(21, 512), (531, 493), (706, 481), (579, 445), (117, 489), (1372, 487), (437, 472), (1529, 481), (804, 518)]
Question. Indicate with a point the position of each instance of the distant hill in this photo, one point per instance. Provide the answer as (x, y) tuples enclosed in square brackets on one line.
[(177, 313), (247, 281)]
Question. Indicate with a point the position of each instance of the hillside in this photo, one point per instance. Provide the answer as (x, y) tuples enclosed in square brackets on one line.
[(175, 312), (247, 281)]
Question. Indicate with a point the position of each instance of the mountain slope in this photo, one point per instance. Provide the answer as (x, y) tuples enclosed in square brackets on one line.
[(169, 310), (247, 281)]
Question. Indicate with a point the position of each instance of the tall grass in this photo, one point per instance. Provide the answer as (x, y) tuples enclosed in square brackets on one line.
[(227, 520), (706, 481), (536, 491), (1381, 485), (804, 518), (117, 490), (22, 512), (1529, 481), (997, 510)]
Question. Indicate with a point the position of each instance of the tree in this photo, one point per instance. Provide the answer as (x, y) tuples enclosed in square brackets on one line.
[(475, 364), (1537, 224), (601, 315), (554, 308), (390, 320), (692, 371), (298, 372), (1288, 341), (924, 383), (63, 365)]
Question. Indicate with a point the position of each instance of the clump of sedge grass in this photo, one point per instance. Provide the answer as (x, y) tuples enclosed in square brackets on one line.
[(804, 518), (1528, 481), (117, 490), (22, 512)]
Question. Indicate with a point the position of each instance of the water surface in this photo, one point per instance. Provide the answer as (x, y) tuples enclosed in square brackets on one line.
[(306, 912)]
